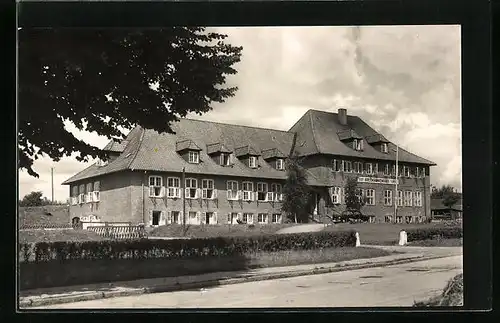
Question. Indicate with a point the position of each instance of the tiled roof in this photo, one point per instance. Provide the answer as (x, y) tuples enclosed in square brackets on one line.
[(317, 134), (437, 204), (115, 146), (186, 144), (217, 148), (348, 134), (245, 151), (272, 153)]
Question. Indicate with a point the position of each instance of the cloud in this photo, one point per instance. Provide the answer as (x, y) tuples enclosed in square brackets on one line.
[(402, 80)]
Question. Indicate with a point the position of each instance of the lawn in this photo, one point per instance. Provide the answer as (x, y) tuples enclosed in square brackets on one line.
[(208, 231), (380, 233), (437, 243), (47, 216), (452, 295)]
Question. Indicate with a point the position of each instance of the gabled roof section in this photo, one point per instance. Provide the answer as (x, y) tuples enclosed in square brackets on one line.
[(348, 134), (186, 144), (245, 151), (122, 162), (157, 151), (272, 153), (317, 133), (116, 146), (217, 148), (373, 139)]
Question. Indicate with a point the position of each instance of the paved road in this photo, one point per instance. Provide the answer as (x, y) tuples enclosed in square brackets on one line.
[(302, 228), (398, 285)]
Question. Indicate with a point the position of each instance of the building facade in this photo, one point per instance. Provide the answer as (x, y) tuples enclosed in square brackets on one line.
[(230, 172)]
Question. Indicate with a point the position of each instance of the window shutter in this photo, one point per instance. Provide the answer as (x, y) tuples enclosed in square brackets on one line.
[(198, 217), (240, 216), (252, 196), (181, 217), (162, 191), (203, 218), (162, 218), (250, 218), (198, 193), (169, 217), (240, 195), (269, 196), (150, 218), (215, 218), (230, 218), (214, 194), (186, 192), (228, 192)]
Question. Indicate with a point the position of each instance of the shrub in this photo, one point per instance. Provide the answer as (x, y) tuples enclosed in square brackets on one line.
[(418, 234), (182, 248)]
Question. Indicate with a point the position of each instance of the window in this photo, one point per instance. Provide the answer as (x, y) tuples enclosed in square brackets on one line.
[(173, 187), (417, 172), (360, 193), (252, 162), (276, 192), (280, 165), (370, 196), (387, 197), (418, 198), (358, 167), (371, 219), (191, 188), (406, 171), (408, 198), (231, 217), (225, 159), (74, 195), (400, 198), (194, 157), (375, 168), (155, 218), (335, 194), (193, 217), (262, 217), (336, 165), (387, 219), (176, 217), (95, 193), (423, 172), (208, 191), (369, 168), (386, 169), (399, 219), (347, 166), (393, 170), (232, 190), (383, 148), (88, 192), (408, 219), (155, 186), (358, 144), (247, 191), (247, 218), (276, 218), (209, 218), (261, 191)]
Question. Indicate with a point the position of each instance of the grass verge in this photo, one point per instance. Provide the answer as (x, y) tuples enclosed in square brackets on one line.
[(437, 243), (306, 257), (452, 295), (209, 231), (33, 236)]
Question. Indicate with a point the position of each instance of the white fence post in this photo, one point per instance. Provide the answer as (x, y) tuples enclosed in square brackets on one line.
[(403, 238), (358, 242)]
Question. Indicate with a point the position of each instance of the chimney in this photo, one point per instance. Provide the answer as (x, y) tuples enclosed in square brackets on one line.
[(342, 113)]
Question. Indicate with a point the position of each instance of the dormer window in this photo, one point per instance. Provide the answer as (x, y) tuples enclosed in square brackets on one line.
[(225, 159), (252, 162), (280, 165), (384, 148), (194, 157), (357, 144)]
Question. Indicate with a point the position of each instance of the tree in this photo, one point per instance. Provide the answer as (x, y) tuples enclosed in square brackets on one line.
[(354, 200), (101, 80), (296, 191), (32, 199), (447, 193)]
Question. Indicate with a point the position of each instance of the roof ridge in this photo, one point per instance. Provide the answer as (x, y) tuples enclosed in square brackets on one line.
[(313, 133), (238, 125), (132, 160)]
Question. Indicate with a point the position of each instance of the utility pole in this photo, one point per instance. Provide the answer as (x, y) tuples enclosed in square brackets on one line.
[(52, 181), (396, 196), (183, 185)]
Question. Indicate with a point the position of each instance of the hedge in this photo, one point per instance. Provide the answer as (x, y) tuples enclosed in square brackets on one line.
[(41, 226), (433, 233), (182, 248)]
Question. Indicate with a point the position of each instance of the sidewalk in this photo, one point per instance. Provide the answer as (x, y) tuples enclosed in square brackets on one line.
[(57, 295)]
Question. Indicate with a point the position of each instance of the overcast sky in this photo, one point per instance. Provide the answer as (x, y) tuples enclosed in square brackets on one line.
[(404, 81)]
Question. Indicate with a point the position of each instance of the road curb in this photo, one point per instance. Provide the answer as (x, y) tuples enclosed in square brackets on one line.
[(215, 282)]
